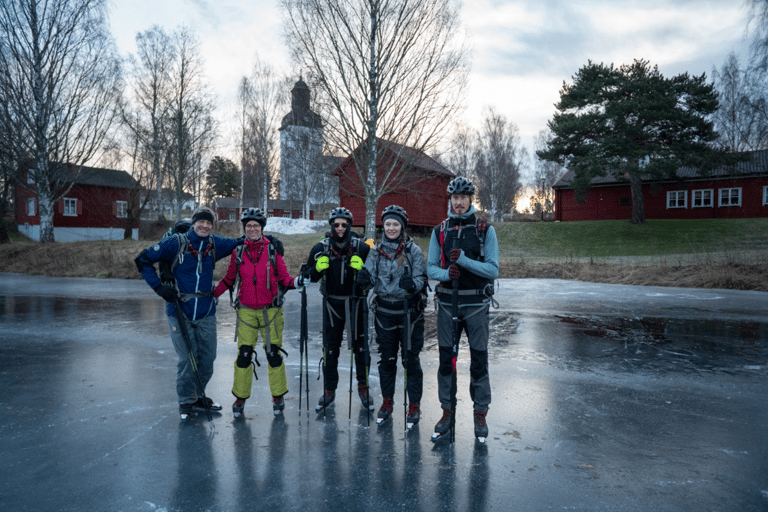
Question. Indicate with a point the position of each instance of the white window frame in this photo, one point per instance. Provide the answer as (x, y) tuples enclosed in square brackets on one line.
[(702, 193), (31, 207), (232, 216), (122, 209), (726, 193), (30, 177), (676, 195), (765, 196), (70, 207)]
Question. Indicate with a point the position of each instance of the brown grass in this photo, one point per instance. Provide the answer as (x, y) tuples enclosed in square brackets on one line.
[(114, 259)]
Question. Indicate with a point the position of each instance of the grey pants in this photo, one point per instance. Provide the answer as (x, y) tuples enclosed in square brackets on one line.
[(203, 341), (475, 324)]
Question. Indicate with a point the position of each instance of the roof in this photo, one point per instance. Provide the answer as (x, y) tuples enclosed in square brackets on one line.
[(106, 178), (416, 158), (756, 166), (226, 202)]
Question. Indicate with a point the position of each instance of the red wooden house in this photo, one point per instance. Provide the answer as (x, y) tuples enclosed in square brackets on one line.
[(228, 209), (726, 192), (422, 190), (95, 208)]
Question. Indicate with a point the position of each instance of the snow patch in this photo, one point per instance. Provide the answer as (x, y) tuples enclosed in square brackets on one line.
[(293, 226)]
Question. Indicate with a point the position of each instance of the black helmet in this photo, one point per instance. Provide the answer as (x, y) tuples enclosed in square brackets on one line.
[(461, 185), (395, 211), (340, 213), (250, 214)]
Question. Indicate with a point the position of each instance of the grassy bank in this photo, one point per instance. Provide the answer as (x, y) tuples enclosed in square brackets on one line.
[(717, 253)]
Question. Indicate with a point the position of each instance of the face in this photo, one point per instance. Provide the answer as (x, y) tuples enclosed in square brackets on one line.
[(202, 228), (460, 203), (340, 227), (392, 229), (252, 230)]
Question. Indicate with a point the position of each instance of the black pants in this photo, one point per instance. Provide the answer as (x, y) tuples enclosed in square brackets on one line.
[(334, 325), (389, 336)]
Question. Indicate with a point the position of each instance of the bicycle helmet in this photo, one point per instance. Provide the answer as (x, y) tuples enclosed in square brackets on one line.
[(461, 185), (250, 214), (396, 212), (340, 213)]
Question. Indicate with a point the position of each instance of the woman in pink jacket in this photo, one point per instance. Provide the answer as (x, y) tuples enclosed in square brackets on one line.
[(255, 275)]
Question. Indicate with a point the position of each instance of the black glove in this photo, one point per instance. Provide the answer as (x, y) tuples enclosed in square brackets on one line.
[(277, 243), (364, 278), (407, 284), (168, 293)]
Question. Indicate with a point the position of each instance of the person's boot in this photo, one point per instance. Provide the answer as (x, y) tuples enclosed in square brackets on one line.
[(385, 411), (325, 400), (238, 407), (414, 415), (443, 426), (184, 411), (213, 406), (278, 404), (481, 427), (365, 396)]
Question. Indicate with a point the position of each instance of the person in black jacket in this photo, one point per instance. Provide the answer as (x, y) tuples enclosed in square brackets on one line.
[(336, 261)]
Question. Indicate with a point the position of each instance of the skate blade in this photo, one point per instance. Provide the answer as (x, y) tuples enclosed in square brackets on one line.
[(436, 436)]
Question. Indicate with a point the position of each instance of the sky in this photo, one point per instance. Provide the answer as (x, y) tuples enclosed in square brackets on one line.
[(522, 53)]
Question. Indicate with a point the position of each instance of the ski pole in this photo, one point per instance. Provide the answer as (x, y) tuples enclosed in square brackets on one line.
[(406, 347), (351, 314), (185, 334), (366, 351), (303, 336), (455, 347)]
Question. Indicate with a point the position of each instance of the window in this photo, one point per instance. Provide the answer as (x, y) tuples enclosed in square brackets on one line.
[(730, 197), (70, 207), (31, 207), (232, 216), (702, 198), (286, 215), (765, 196), (677, 199), (122, 209)]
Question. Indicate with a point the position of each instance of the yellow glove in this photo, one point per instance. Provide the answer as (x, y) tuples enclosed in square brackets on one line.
[(370, 243), (322, 263), (356, 262)]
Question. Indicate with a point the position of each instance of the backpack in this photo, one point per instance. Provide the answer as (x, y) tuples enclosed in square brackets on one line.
[(167, 267), (481, 226)]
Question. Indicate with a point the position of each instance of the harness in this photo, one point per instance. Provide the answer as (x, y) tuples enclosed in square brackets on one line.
[(184, 247), (234, 297), (329, 250), (404, 248)]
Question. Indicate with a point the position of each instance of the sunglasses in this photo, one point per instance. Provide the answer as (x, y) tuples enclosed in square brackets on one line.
[(340, 224)]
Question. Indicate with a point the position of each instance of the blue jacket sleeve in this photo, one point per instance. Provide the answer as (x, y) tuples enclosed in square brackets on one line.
[(435, 268), (489, 268)]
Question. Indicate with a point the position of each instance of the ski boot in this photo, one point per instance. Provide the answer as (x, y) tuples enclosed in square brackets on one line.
[(443, 426), (213, 406), (238, 407), (325, 400), (184, 411), (481, 427), (365, 397), (413, 417), (278, 404), (385, 411)]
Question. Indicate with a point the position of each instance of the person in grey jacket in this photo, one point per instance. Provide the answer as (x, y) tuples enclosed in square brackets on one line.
[(396, 269)]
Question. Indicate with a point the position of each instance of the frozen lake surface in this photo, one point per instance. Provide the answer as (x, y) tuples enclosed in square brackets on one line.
[(605, 397)]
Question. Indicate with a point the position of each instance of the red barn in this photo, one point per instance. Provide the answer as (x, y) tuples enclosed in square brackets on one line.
[(422, 192), (727, 192), (95, 208)]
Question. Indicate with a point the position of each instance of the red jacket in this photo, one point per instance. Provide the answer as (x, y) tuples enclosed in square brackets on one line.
[(254, 292)]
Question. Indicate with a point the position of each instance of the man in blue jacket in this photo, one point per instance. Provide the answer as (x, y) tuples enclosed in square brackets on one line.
[(463, 254), (189, 258)]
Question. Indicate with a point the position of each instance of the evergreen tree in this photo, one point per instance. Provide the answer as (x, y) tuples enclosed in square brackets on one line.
[(634, 122), (223, 178)]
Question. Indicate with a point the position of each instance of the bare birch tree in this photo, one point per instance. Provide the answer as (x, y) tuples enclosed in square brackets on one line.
[(391, 70), (545, 174), (61, 76), (499, 165)]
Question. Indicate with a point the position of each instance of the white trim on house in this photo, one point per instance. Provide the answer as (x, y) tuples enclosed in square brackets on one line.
[(703, 198), (122, 209), (70, 207), (677, 199), (765, 196), (78, 234)]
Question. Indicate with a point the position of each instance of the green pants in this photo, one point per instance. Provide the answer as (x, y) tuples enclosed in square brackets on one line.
[(251, 323)]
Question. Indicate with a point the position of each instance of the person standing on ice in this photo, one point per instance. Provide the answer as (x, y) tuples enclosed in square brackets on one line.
[(257, 277), (463, 251), (187, 261), (335, 261), (396, 269)]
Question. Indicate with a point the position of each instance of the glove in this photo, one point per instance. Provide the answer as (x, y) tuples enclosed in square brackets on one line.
[(364, 278), (356, 262), (455, 255), (454, 272), (322, 263), (277, 243), (298, 282), (168, 293), (407, 284)]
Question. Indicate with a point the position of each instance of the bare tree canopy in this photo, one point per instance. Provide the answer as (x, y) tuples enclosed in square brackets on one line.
[(758, 19), (386, 69), (61, 77), (499, 164), (545, 174)]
